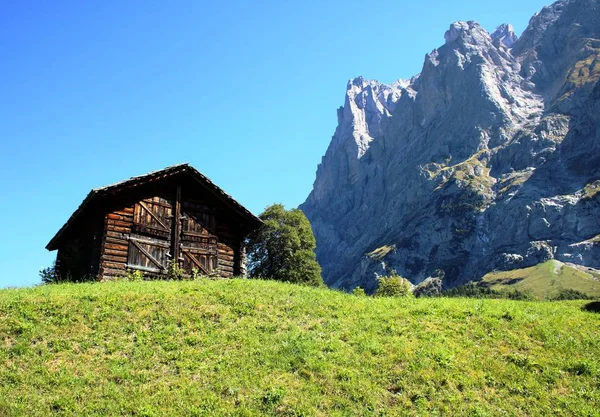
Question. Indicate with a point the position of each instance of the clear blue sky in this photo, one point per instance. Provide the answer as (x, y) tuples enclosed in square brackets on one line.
[(246, 91)]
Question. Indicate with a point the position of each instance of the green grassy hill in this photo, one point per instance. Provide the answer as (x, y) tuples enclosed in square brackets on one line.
[(545, 280), (245, 348)]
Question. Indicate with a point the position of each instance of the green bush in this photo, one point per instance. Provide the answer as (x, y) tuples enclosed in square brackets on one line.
[(174, 271), (477, 290), (569, 294), (359, 292), (136, 275), (518, 295), (393, 286)]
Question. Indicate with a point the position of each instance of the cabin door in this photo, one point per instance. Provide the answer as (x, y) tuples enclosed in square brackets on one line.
[(198, 238), (151, 246), (150, 238)]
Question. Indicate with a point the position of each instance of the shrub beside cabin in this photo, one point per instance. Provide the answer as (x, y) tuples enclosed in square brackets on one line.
[(144, 222)]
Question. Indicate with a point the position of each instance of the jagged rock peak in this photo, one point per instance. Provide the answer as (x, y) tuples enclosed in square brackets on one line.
[(505, 34), (367, 103), (373, 95), (540, 22), (469, 32)]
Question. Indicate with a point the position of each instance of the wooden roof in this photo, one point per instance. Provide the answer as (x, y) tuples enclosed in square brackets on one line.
[(149, 177)]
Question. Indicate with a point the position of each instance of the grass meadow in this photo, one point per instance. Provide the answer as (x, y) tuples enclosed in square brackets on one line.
[(253, 348)]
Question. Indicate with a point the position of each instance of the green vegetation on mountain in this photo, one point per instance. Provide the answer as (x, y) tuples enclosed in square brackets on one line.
[(252, 347), (381, 252), (545, 280)]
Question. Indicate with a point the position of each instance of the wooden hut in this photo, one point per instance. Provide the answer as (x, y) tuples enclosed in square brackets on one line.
[(145, 222)]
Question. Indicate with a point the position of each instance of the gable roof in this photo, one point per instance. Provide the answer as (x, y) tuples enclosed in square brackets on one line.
[(171, 171)]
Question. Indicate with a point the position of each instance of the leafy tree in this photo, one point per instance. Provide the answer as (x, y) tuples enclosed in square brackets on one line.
[(284, 248)]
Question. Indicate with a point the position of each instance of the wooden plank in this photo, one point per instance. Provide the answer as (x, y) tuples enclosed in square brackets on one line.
[(113, 265), (116, 235), (114, 228), (111, 273), (144, 268), (115, 258), (116, 247), (154, 216), (225, 268), (195, 262), (116, 240), (119, 223), (226, 273), (226, 263), (177, 223), (115, 252), (118, 216), (143, 228), (146, 254), (164, 203), (150, 241)]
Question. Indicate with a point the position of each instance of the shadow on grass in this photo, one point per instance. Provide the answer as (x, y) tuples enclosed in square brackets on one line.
[(594, 307)]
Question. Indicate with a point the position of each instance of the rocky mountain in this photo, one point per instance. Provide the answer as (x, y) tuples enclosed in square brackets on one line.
[(489, 159)]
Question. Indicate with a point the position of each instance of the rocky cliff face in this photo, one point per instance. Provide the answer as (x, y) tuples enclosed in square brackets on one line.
[(488, 159)]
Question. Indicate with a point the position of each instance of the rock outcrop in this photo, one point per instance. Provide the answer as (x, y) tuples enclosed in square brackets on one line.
[(488, 159)]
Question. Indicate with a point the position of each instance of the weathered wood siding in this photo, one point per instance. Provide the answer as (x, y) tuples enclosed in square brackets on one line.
[(115, 245), (139, 235), (228, 243), (199, 240)]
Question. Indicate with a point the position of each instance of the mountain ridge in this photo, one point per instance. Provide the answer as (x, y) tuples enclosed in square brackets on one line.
[(487, 132)]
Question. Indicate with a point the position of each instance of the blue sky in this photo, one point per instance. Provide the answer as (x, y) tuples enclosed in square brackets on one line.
[(247, 92)]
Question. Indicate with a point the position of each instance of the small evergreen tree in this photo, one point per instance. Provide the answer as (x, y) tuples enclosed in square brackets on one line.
[(283, 248), (49, 275)]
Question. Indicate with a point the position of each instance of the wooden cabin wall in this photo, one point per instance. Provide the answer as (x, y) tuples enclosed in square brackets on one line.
[(229, 231), (77, 259), (229, 250), (117, 227)]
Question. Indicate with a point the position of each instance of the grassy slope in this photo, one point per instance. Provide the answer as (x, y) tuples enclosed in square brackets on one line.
[(263, 348), (545, 280)]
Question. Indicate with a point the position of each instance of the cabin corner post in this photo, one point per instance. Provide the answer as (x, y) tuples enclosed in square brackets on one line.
[(177, 226), (101, 258)]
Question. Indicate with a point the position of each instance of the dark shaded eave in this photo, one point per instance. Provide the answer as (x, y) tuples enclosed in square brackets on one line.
[(253, 221)]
